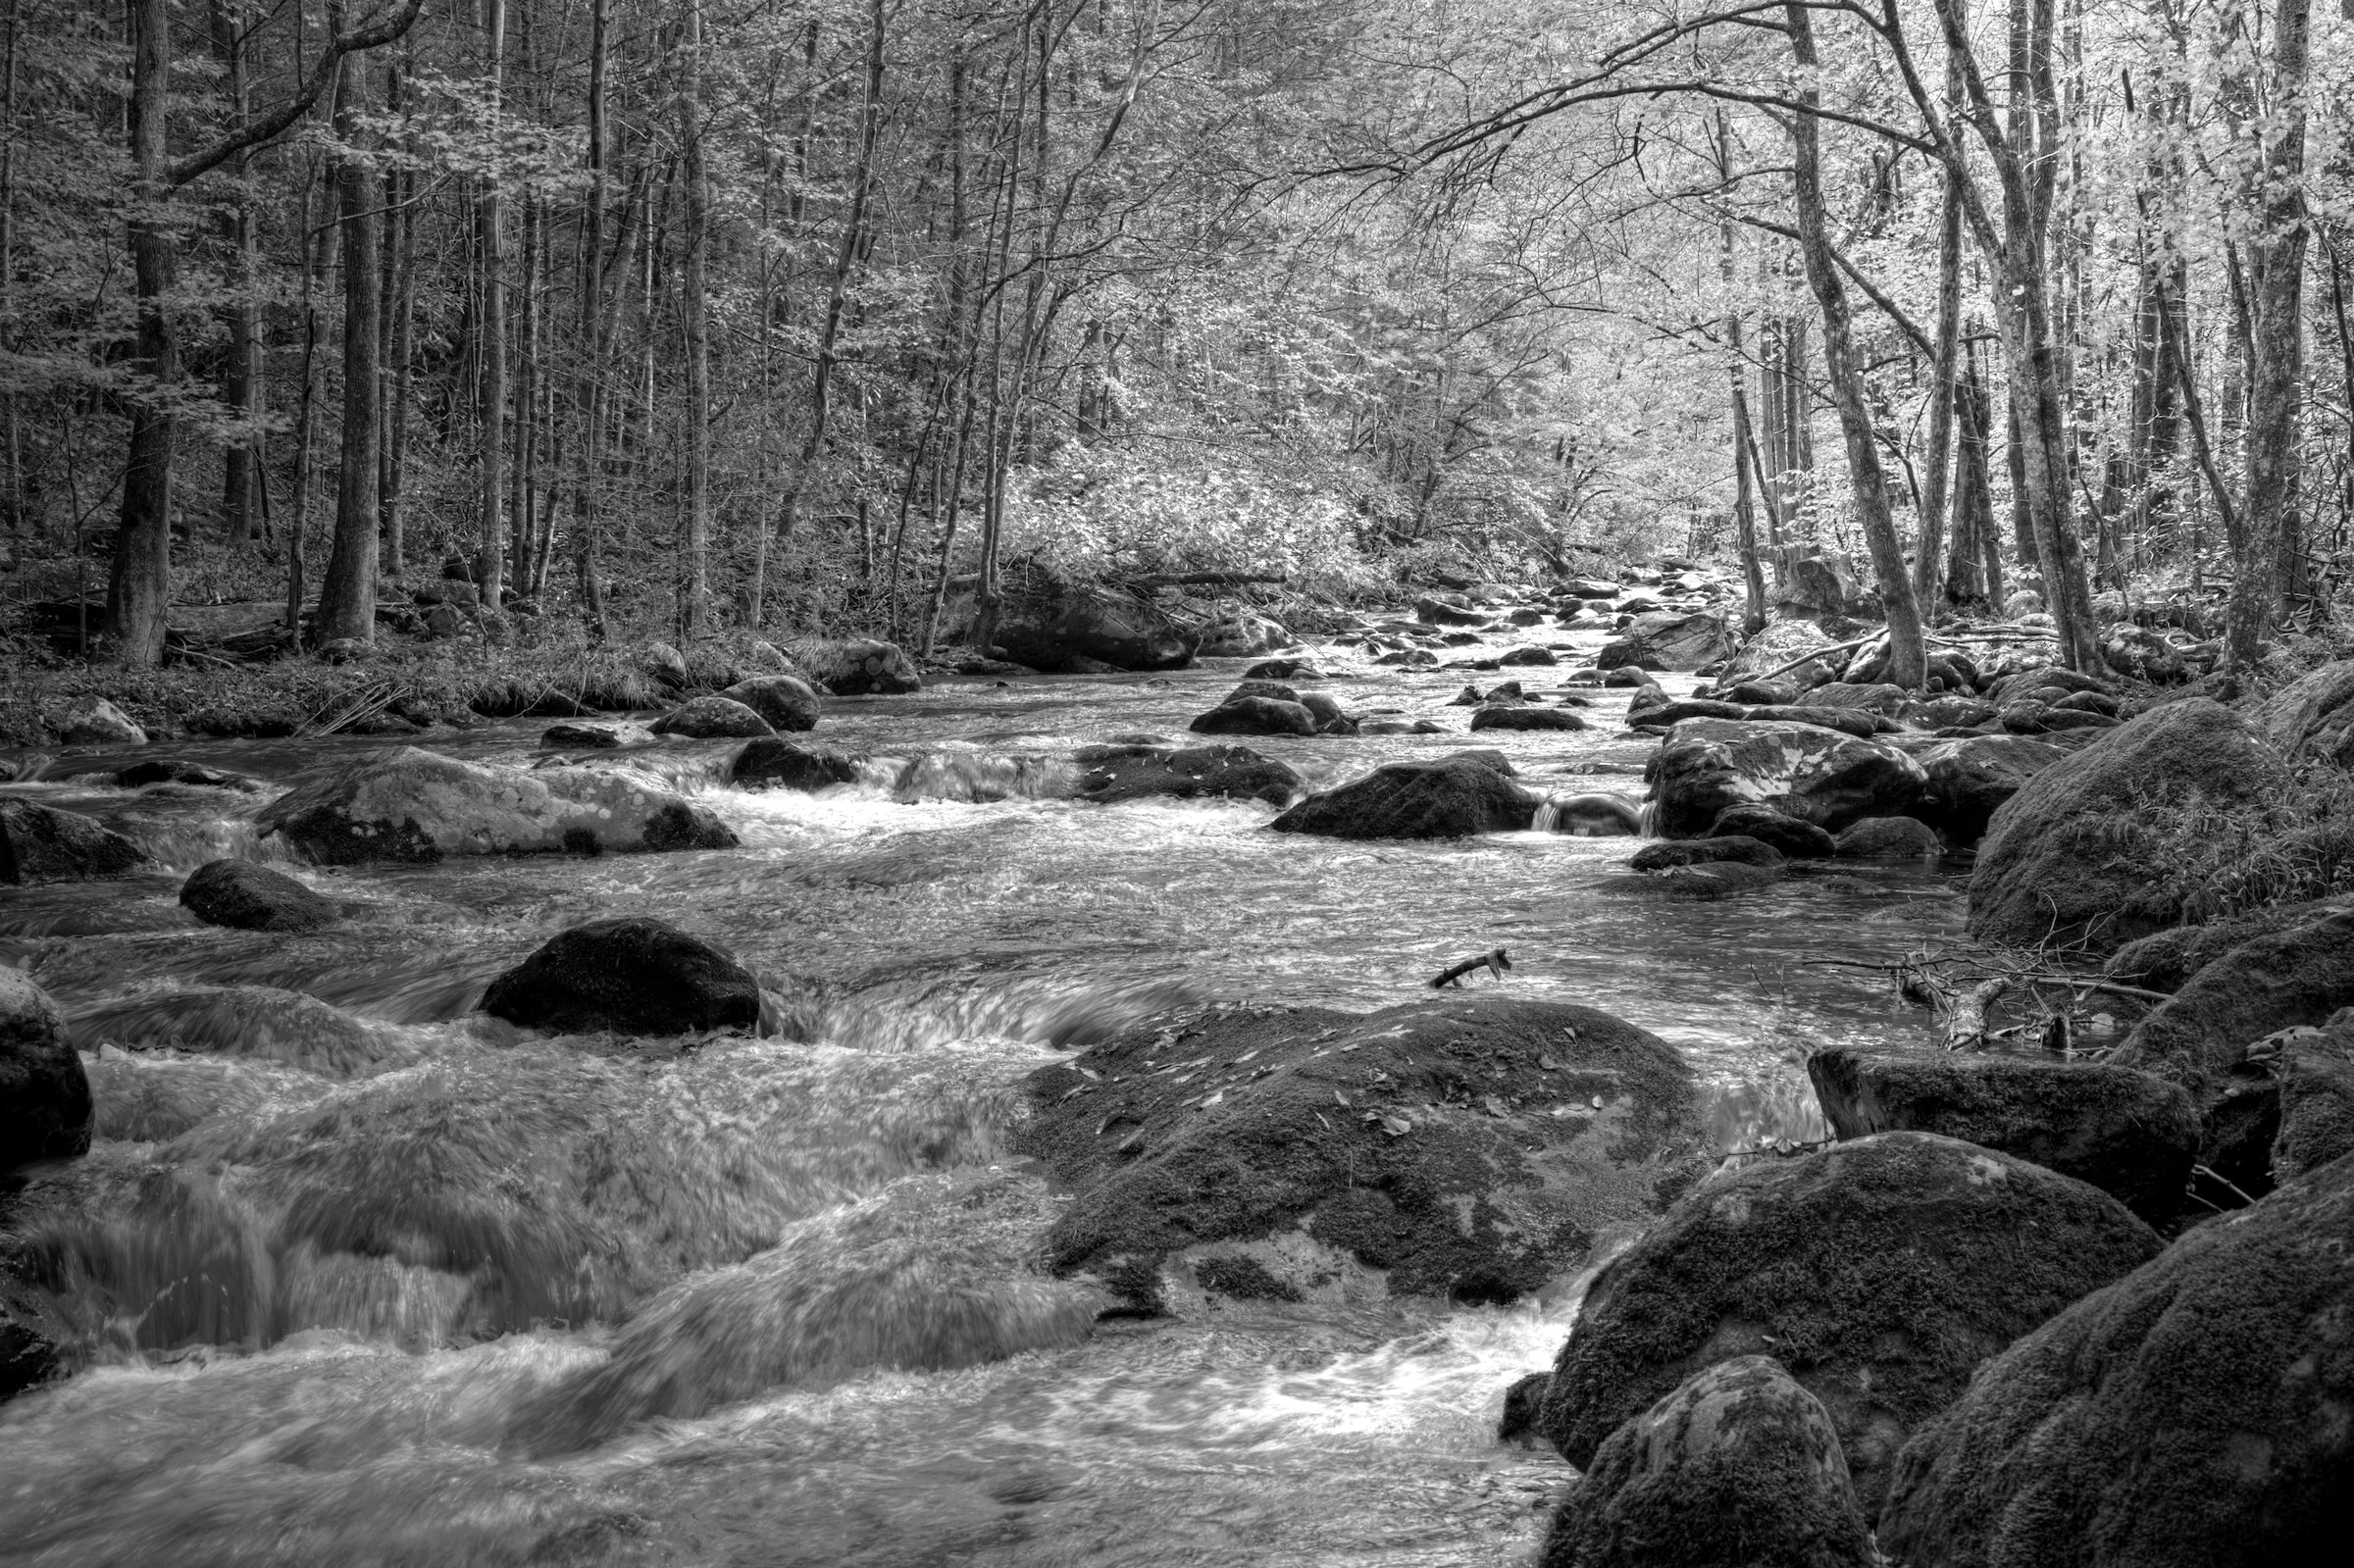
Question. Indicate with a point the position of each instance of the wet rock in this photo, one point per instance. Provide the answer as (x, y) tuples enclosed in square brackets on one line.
[(1812, 580), (27, 1356), (1857, 721), (1863, 697), (1433, 611), (141, 774), (1246, 715), (2314, 716), (236, 1021), (42, 844), (1761, 693), (1792, 838), (1739, 1467), (416, 805), (1590, 589), (1241, 635), (1803, 771), (1448, 799), (592, 736), (1526, 617), (45, 1106), (774, 762), (712, 719), (1886, 1269), (1668, 641), (1888, 838), (2165, 960), (2143, 654), (1652, 705), (1050, 623), (2316, 1073), (1528, 656), (2066, 858), (1144, 772), (2131, 1135), (1668, 853), (1004, 668), (1283, 670), (1326, 710), (1593, 814), (1950, 713), (96, 722), (1509, 717), (2192, 1412), (251, 897), (860, 667), (785, 702), (1782, 643), (1969, 779), (1414, 1152), (632, 976), (1521, 1401)]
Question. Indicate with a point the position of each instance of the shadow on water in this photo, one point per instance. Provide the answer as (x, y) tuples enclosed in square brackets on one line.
[(355, 1274)]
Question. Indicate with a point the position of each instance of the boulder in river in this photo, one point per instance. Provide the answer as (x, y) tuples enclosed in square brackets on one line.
[(1971, 777), (236, 1021), (1532, 655), (1241, 635), (2068, 858), (1476, 1149), (1667, 854), (1738, 1467), (631, 974), (172, 770), (1246, 715), (1513, 716), (1888, 838), (45, 1106), (1451, 797), (859, 667), (1668, 640), (785, 702), (96, 722), (1431, 610), (1116, 772), (2131, 1135), (1283, 670), (251, 897), (1048, 624), (40, 845), (712, 719), (417, 805), (772, 761), (1882, 1272), (1793, 838), (2193, 1412), (1803, 771)]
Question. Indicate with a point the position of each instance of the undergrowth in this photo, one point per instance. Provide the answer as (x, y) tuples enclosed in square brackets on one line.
[(2223, 861)]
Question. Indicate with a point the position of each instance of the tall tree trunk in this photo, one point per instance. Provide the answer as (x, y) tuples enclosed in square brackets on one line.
[(1930, 558), (348, 592), (589, 384), (695, 550), (1907, 661), (491, 554), (241, 374), (1745, 521), (400, 314), (2276, 290), (138, 589)]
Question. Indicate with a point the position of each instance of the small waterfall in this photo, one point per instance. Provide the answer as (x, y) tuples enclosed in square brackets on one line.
[(1592, 814), (980, 776)]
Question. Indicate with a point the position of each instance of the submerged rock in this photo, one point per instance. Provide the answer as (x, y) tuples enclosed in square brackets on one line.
[(45, 1107), (1737, 847), (1514, 717), (1792, 838), (1739, 1467), (1144, 772), (2193, 1412), (1450, 798), (236, 1021), (1247, 714), (712, 719), (631, 974), (785, 702), (416, 805), (1474, 1148), (1889, 839), (2067, 859), (1815, 775), (1884, 1269), (251, 897), (42, 844), (2129, 1133), (139, 775), (772, 761)]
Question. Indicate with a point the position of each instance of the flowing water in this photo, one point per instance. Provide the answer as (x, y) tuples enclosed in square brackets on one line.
[(362, 1277)]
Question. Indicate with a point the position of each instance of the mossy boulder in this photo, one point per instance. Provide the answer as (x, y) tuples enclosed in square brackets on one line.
[(1880, 1272), (785, 702), (712, 718), (420, 806), (859, 667), (42, 844), (1970, 777), (1739, 1467), (251, 897), (1051, 624), (1118, 773), (1888, 838), (772, 762), (45, 1106), (1668, 853), (632, 974), (1515, 716), (1803, 771), (1792, 838), (1474, 1148), (2317, 1100), (1668, 640), (2131, 1135), (1251, 714), (2192, 1413), (1453, 798)]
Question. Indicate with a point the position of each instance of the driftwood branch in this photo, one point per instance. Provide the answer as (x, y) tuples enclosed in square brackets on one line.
[(1495, 963), (1966, 1021)]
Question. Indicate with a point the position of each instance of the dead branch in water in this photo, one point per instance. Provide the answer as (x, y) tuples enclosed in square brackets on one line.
[(1495, 963), (1966, 1018)]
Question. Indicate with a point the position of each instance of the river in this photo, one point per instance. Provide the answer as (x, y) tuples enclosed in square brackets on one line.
[(323, 1300)]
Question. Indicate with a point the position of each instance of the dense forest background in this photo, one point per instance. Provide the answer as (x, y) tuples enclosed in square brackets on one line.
[(828, 314)]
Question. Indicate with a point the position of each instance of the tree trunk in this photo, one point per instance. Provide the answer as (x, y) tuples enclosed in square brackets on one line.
[(1907, 663), (241, 374), (138, 588), (1929, 559), (695, 549), (401, 314), (490, 553), (1745, 521), (348, 592)]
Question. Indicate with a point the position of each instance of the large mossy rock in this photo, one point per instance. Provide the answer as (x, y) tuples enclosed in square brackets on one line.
[(2317, 1100), (1117, 772), (632, 974), (1738, 1468), (1047, 624), (45, 1106), (1806, 772), (420, 806), (42, 844), (785, 702), (1248, 714), (2314, 716), (1474, 1148), (2071, 857), (1880, 1272), (2165, 960), (1668, 640), (2193, 1414), (860, 667), (712, 719), (2133, 1135), (1453, 798), (251, 897), (1970, 777)]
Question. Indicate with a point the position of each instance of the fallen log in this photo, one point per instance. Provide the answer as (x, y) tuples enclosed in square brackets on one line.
[(1192, 580), (1495, 962), (1966, 1023)]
